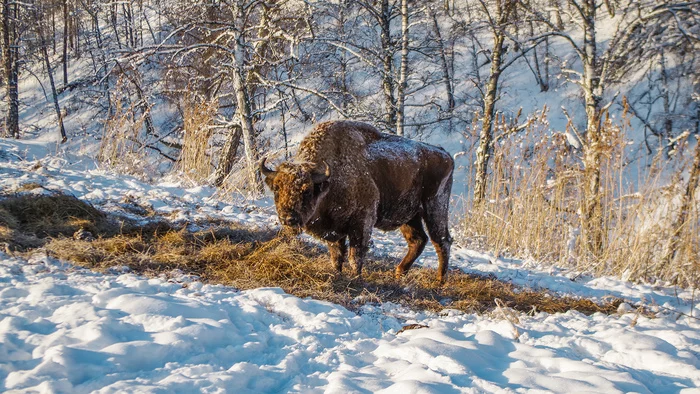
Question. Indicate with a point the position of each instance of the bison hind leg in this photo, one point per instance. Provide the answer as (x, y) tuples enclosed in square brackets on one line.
[(339, 253), (436, 220), (358, 242), (416, 239)]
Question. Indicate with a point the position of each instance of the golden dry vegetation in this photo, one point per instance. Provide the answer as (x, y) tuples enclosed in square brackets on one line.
[(245, 258)]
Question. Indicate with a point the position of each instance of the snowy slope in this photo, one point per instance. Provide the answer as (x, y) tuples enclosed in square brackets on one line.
[(65, 329)]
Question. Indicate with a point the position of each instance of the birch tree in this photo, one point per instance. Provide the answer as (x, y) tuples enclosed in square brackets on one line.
[(10, 32), (403, 72), (498, 23), (501, 22)]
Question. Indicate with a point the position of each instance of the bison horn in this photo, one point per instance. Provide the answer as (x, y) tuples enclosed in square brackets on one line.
[(264, 170), (318, 175)]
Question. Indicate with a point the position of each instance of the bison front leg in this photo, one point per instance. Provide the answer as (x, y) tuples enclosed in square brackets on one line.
[(359, 245), (338, 251)]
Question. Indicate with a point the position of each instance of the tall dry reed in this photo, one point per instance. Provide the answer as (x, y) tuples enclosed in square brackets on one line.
[(123, 147), (195, 157), (532, 208)]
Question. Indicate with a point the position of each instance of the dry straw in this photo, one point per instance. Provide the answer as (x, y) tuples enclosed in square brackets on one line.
[(246, 258), (534, 199), (123, 146), (195, 157)]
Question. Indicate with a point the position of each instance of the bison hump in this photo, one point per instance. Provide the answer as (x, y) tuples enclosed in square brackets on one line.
[(337, 141)]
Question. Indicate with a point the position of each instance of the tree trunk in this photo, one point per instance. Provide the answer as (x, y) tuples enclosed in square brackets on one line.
[(387, 61), (56, 106), (668, 122), (591, 210), (10, 66), (446, 79), (64, 57), (343, 83), (483, 152), (75, 36), (53, 33), (547, 58), (115, 25), (403, 71), (245, 118), (283, 113), (71, 30), (228, 155)]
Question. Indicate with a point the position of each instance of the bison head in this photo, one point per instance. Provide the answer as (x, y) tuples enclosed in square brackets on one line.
[(298, 189)]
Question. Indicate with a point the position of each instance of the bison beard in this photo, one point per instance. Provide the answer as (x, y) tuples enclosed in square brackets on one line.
[(348, 178)]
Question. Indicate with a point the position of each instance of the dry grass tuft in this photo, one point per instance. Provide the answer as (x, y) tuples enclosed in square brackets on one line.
[(26, 219), (7, 220), (29, 186)]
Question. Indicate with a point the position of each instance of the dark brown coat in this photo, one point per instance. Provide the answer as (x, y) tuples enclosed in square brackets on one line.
[(348, 178)]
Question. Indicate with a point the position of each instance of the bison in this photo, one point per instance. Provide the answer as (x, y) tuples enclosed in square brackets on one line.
[(348, 178)]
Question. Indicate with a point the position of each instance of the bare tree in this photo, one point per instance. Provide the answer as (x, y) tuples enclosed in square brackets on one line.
[(40, 13), (241, 41), (227, 157), (499, 21), (64, 58), (372, 44), (447, 78), (384, 16), (403, 72), (10, 32)]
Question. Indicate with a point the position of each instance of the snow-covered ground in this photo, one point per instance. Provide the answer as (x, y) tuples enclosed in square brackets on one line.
[(66, 329), (71, 330)]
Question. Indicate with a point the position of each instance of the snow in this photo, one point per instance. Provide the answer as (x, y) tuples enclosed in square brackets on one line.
[(66, 329)]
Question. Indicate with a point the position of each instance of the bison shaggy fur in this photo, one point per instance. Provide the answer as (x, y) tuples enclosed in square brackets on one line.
[(348, 178)]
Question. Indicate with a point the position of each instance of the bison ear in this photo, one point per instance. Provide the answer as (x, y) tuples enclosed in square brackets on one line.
[(268, 173), (321, 173)]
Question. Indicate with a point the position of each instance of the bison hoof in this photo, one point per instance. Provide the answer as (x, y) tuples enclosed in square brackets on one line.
[(336, 275), (399, 273)]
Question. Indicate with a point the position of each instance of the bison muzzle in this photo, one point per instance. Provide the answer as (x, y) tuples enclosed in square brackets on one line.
[(348, 178)]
